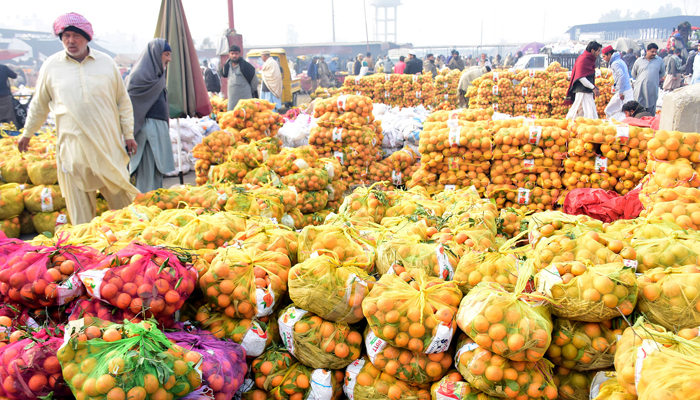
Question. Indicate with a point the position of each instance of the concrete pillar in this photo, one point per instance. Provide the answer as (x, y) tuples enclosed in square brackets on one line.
[(680, 110)]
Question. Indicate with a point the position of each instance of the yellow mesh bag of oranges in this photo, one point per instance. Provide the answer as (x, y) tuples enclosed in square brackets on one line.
[(500, 377), (583, 346), (329, 288), (671, 297), (671, 248), (318, 343), (667, 373), (366, 202), (517, 325), (683, 211), (429, 304), (343, 241), (572, 385), (593, 247), (207, 231), (453, 385), (549, 223), (11, 201), (585, 292), (255, 335), (299, 379), (364, 381), (414, 252), (640, 340)]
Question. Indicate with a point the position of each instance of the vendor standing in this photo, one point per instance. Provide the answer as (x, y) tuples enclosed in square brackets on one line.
[(647, 72), (7, 110), (242, 80), (147, 89), (272, 80), (621, 79), (94, 115), (582, 89)]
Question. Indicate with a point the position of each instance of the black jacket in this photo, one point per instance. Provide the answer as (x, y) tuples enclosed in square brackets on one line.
[(357, 67), (247, 70), (212, 81), (413, 66)]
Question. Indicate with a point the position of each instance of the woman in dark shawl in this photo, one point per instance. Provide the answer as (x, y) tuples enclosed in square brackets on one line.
[(582, 90), (147, 88)]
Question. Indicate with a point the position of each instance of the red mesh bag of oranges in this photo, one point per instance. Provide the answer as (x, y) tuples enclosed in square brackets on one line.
[(253, 334), (342, 241), (501, 377), (413, 311), (318, 343), (46, 276), (671, 297), (584, 292), (492, 266), (513, 325), (642, 339), (330, 288), (29, 368), (143, 279), (223, 364), (246, 283), (364, 381), (127, 361), (97, 312), (583, 346), (667, 373), (417, 368)]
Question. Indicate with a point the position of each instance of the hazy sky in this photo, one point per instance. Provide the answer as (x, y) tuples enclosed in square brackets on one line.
[(126, 25)]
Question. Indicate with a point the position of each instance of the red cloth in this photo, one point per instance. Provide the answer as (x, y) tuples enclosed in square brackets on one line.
[(584, 66), (72, 19), (644, 122), (607, 49), (606, 206)]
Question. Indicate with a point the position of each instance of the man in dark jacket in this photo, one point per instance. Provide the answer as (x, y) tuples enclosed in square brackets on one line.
[(358, 65), (430, 66), (629, 59), (456, 62), (7, 110), (632, 109), (211, 79), (312, 73), (242, 80), (414, 65)]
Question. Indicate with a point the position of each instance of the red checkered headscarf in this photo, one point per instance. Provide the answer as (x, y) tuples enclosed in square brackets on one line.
[(74, 20)]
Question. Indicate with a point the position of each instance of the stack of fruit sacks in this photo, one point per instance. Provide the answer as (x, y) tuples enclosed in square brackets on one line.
[(346, 131), (535, 94), (444, 143), (604, 82), (362, 86), (559, 82), (127, 360), (278, 375), (507, 335), (411, 326), (496, 91), (526, 163), (395, 170), (253, 119), (388, 89), (621, 154), (446, 83), (215, 149), (417, 90)]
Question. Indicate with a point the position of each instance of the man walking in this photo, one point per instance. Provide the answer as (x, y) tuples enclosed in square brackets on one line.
[(94, 116), (647, 72), (242, 80), (621, 79), (211, 79), (7, 110), (582, 90), (271, 80), (413, 65), (147, 89), (674, 71), (430, 66)]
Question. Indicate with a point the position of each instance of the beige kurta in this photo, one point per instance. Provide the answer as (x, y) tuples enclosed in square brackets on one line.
[(93, 117)]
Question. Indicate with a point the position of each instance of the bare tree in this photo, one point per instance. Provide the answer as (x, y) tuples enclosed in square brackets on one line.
[(206, 44), (611, 16)]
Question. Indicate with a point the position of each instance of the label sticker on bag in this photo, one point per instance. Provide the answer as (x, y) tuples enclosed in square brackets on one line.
[(415, 77), (528, 164), (597, 73), (46, 199), (255, 340), (351, 373), (447, 272), (71, 328), (265, 155), (357, 80), (523, 196), (453, 137), (535, 134), (495, 75), (92, 280), (358, 93), (286, 326), (445, 85), (396, 177), (630, 264), (301, 164), (450, 187), (494, 106), (467, 347), (447, 96), (644, 351), (547, 279), (342, 100), (568, 75), (529, 108), (623, 133), (524, 91), (418, 94), (441, 341), (374, 345), (337, 135), (452, 163), (321, 385), (532, 73), (62, 219), (69, 290), (386, 94), (265, 299), (601, 164), (340, 156), (494, 90)]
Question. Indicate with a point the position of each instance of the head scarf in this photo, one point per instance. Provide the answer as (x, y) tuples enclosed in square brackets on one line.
[(75, 20), (146, 81)]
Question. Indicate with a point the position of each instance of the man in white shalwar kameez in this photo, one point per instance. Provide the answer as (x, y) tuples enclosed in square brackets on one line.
[(94, 120)]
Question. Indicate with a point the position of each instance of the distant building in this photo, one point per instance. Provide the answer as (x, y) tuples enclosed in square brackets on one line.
[(42, 44), (652, 28)]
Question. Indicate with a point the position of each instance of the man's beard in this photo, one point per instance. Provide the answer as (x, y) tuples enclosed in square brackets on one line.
[(235, 60)]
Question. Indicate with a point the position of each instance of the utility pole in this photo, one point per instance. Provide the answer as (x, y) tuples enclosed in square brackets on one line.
[(230, 15), (364, 5), (333, 17), (482, 33)]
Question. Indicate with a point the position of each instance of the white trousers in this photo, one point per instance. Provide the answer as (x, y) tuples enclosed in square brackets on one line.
[(584, 106)]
